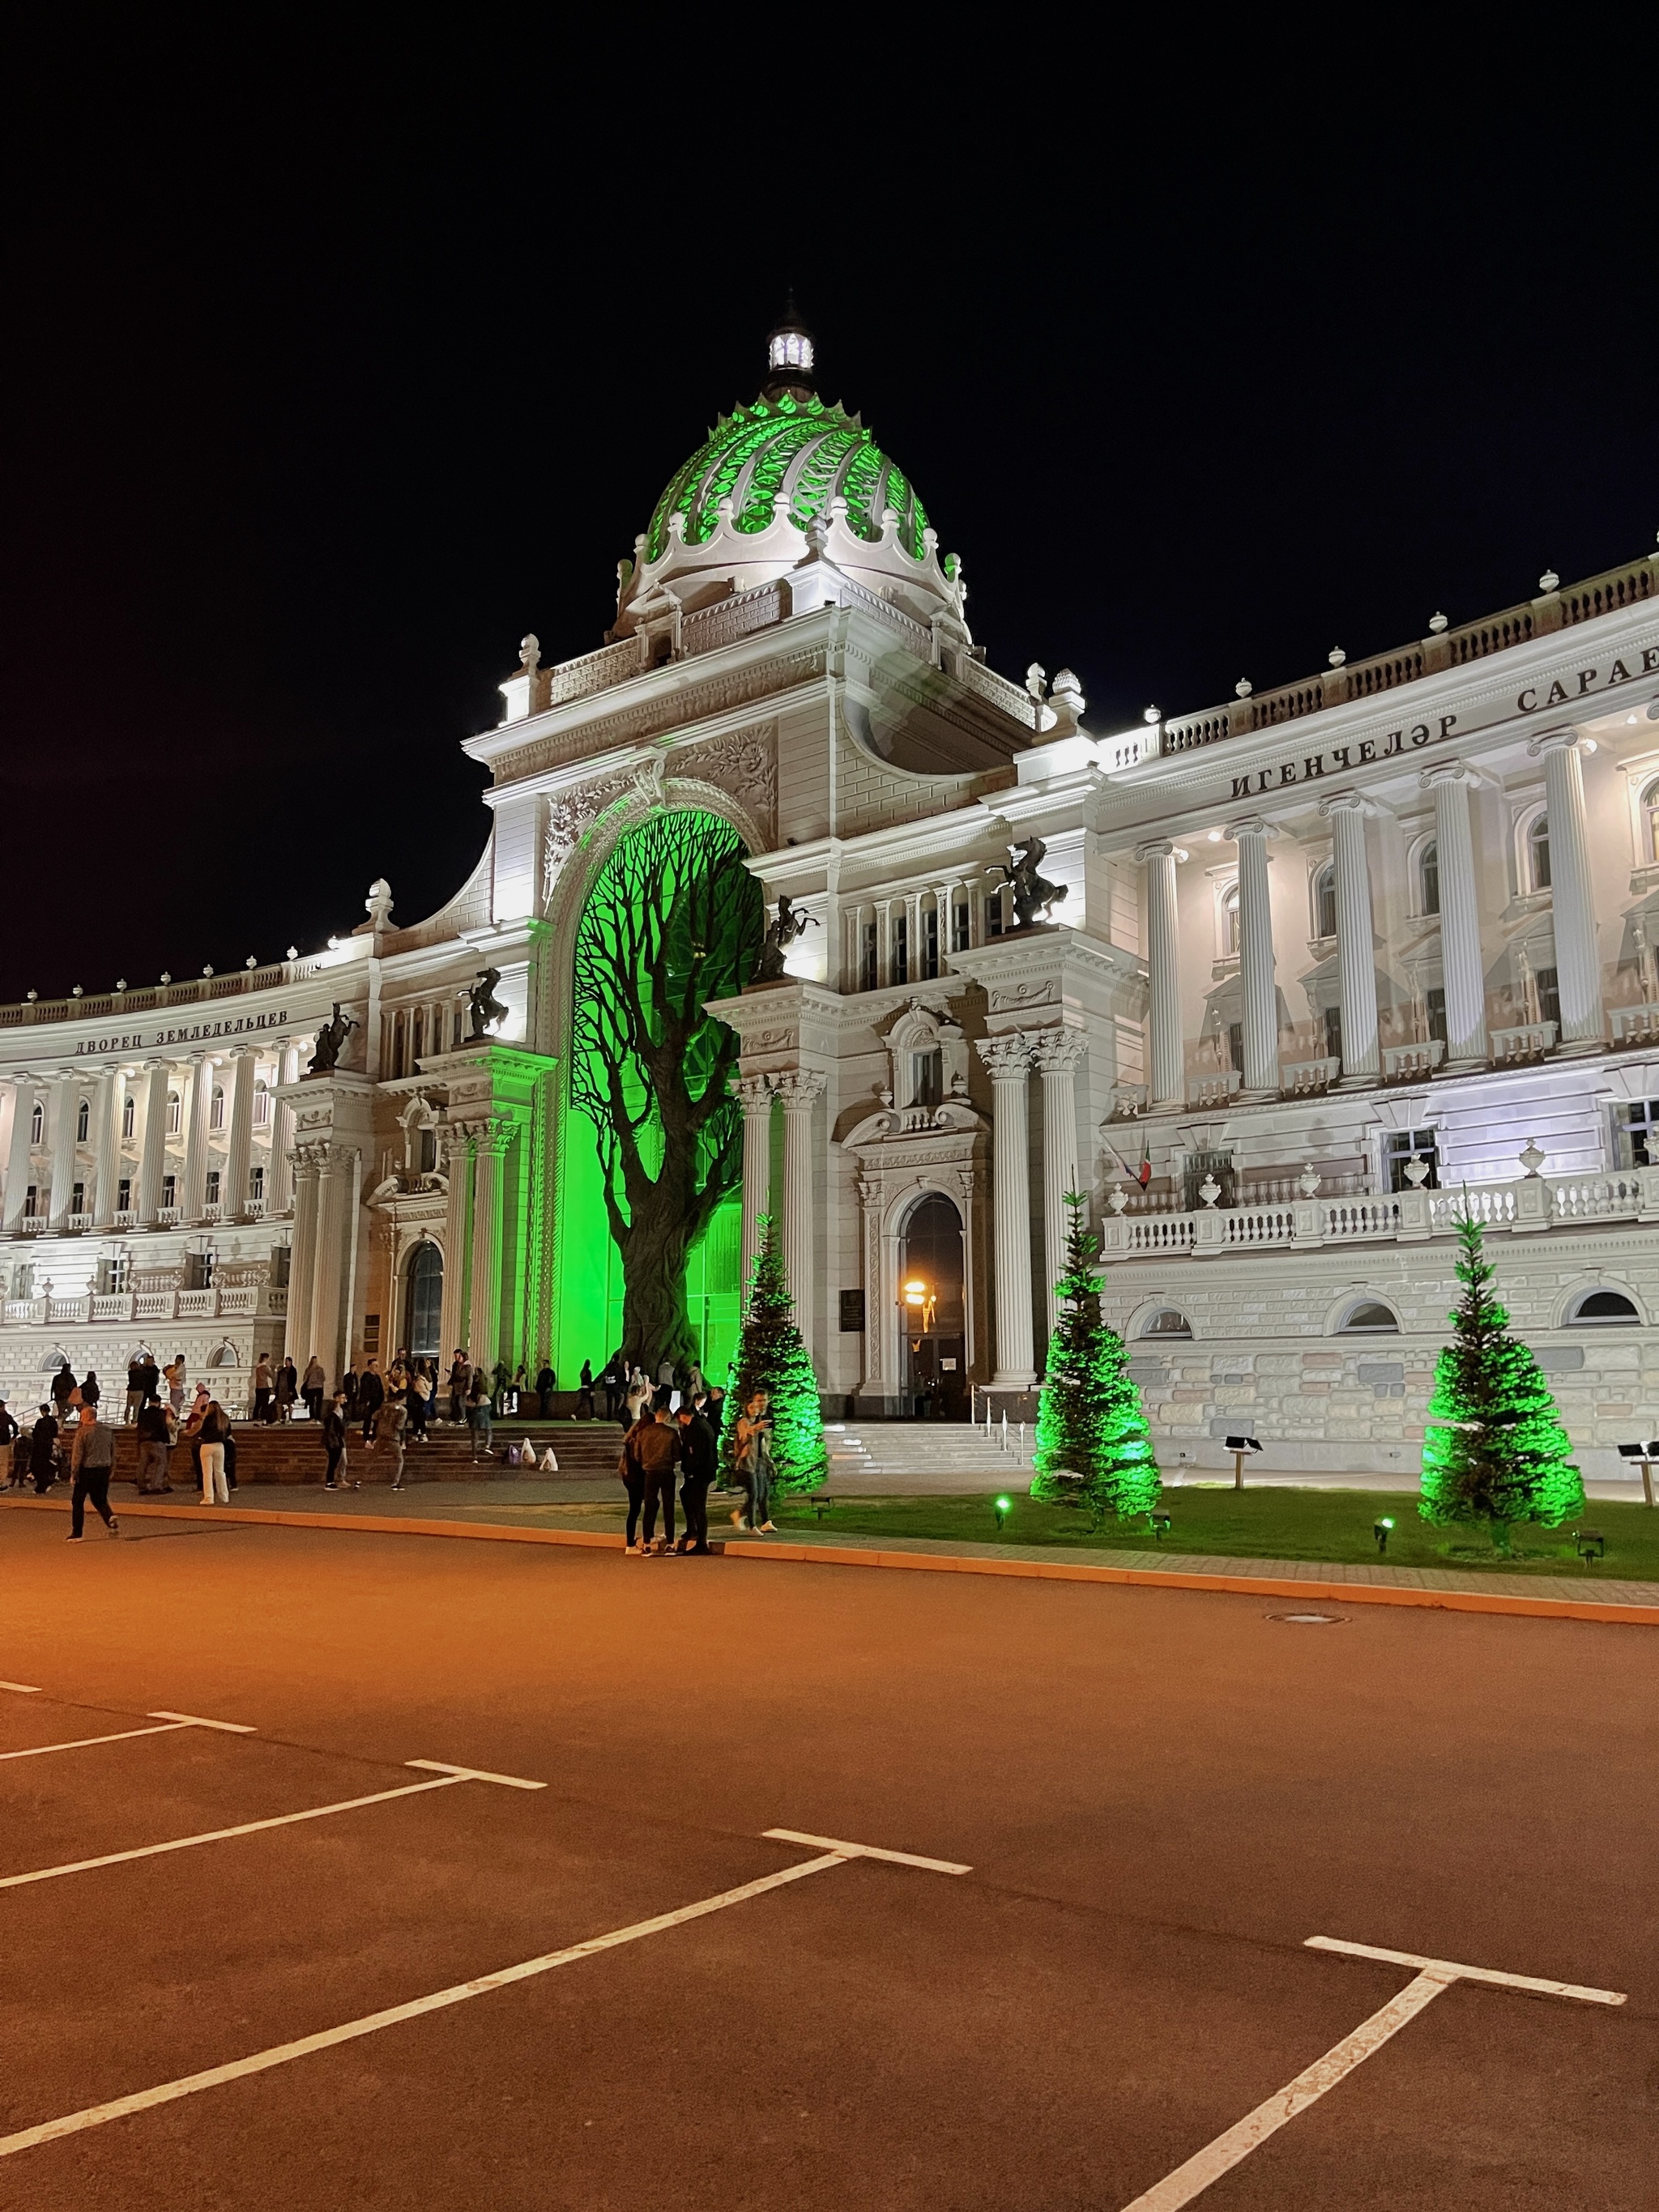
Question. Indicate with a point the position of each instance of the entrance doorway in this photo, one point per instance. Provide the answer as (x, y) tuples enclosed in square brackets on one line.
[(423, 1302), (933, 1311)]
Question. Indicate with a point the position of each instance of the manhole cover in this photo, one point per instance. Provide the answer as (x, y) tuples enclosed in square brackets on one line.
[(1310, 1619)]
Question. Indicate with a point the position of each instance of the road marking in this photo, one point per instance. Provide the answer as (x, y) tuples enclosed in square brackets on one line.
[(1468, 1973), (221, 1835), (866, 1851), (1219, 2157), (195, 1720), (475, 1774), (97, 2115), (81, 1743), (23, 1689)]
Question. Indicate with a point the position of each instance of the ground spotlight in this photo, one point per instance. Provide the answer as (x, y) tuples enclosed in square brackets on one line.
[(1380, 1528), (1002, 1507)]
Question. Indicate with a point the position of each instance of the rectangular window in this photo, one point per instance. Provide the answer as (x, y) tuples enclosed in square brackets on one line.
[(77, 1198), (213, 1187), (1436, 1003), (868, 957), (1638, 1132), (1549, 996), (1398, 1148), (371, 1335), (111, 1278), (994, 915), (169, 1190), (31, 1202), (1235, 1046), (930, 945), (281, 1264), (261, 1106), (959, 926), (1333, 1032), (22, 1280), (256, 1185), (124, 1195), (901, 948), (198, 1271)]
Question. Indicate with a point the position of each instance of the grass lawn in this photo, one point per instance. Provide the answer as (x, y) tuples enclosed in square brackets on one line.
[(1262, 1524)]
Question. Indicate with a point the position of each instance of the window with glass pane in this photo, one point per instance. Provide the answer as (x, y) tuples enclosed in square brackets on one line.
[(1430, 865), (1324, 902), (1435, 1002), (1549, 996), (1538, 853), (1399, 1147)]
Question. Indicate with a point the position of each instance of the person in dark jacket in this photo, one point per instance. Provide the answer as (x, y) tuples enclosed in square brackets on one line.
[(334, 1440), (657, 1445), (546, 1383), (92, 1460), (63, 1389), (90, 1393), (135, 1387), (43, 1451), (287, 1387), (149, 1378), (585, 1394), (155, 1441), (8, 1435), (698, 1456), (371, 1396)]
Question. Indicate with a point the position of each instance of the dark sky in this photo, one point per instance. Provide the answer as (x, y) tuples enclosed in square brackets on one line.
[(336, 361)]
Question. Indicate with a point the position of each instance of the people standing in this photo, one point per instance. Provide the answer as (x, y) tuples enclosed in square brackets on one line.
[(660, 1455), (312, 1386), (135, 1388), (62, 1389), (546, 1383), (419, 1402), (43, 1451), (460, 1381), (154, 1440), (637, 1400), (261, 1387), (91, 1459), (500, 1383), (754, 1462), (287, 1387), (585, 1394), (91, 1391), (389, 1426), (175, 1382), (697, 1467), (214, 1431), (150, 1377), (371, 1396), (631, 1468), (349, 1383), (334, 1440), (477, 1414)]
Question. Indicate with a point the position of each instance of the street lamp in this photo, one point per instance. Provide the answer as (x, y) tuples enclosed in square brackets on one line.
[(1647, 1454), (919, 1304), (1239, 1446), (1590, 1544)]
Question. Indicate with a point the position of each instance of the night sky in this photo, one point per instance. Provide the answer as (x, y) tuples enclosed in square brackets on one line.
[(333, 367)]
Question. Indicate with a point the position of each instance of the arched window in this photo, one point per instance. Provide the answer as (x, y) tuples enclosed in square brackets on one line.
[(1604, 1310), (83, 1122), (1325, 900), (128, 1115), (175, 1114), (1428, 868), (1369, 1317), (216, 1108), (1650, 823), (1230, 922), (1538, 853), (37, 1124), (1167, 1323)]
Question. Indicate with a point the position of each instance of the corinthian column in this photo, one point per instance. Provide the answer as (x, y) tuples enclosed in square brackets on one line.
[(239, 1157), (1167, 1075), (22, 1144), (1009, 1059), (754, 1094), (799, 1091), (155, 1150), (279, 1190), (458, 1209), (300, 1337), (1462, 964), (1255, 948), (193, 1197), (1356, 957), (1059, 1055), (106, 1128), (60, 1135), (486, 1316), (1577, 961)]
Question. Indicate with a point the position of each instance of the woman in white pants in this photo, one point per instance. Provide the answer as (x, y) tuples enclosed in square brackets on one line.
[(215, 1427)]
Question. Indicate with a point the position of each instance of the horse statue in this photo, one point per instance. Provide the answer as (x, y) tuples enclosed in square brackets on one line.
[(482, 1004), (1033, 892), (789, 923), (331, 1042)]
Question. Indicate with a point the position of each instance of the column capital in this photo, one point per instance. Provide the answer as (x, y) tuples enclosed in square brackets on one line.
[(1561, 741), (798, 1087), (1343, 802), (1449, 772), (1057, 1051), (1008, 1058), (752, 1092), (309, 1161), (1155, 849), (1250, 825)]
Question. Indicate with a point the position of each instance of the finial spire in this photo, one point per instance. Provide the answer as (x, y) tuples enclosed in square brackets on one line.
[(789, 357)]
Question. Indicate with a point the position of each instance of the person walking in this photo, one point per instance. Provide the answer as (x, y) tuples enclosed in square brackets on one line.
[(91, 1459), (371, 1396), (287, 1387), (477, 1414), (313, 1386), (698, 1453), (135, 1388), (211, 1435), (263, 1381), (43, 1451), (154, 1440), (753, 1444), (500, 1383), (334, 1440), (390, 1424)]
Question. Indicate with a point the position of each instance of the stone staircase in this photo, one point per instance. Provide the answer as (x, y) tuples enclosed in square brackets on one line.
[(895, 1458), (293, 1452)]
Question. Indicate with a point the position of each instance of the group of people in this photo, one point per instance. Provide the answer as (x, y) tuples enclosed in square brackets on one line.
[(669, 1431), (69, 1437)]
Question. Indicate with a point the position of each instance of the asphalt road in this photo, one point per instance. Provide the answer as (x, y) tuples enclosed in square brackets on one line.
[(1161, 1798)]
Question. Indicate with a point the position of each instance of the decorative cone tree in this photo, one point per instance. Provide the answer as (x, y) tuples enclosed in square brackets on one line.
[(771, 1357), (1093, 1446), (1494, 1449)]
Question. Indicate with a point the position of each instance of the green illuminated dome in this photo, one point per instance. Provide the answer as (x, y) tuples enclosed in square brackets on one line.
[(795, 444)]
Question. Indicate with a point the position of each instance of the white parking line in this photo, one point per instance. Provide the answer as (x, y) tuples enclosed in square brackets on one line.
[(221, 1835), (213, 2078), (230, 1728), (1208, 2165), (866, 1851), (475, 1774), (83, 1742), (23, 1689)]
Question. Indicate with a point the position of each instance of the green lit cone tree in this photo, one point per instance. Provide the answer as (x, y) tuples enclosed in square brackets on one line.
[(771, 1357), (1494, 1449), (1093, 1446)]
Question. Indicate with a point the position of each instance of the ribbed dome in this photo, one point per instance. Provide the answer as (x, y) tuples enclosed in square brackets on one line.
[(798, 446)]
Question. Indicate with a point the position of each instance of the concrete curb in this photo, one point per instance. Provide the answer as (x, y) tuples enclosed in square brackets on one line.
[(826, 1555)]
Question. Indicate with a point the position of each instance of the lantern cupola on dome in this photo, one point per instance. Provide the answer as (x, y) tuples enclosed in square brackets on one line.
[(790, 482)]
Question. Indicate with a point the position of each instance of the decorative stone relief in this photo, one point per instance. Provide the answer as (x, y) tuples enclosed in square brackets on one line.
[(744, 763)]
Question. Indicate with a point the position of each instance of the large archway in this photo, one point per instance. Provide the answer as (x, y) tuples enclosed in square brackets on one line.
[(423, 1302), (932, 1291)]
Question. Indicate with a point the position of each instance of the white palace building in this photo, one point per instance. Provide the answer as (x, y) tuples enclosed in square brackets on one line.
[(1331, 960)]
